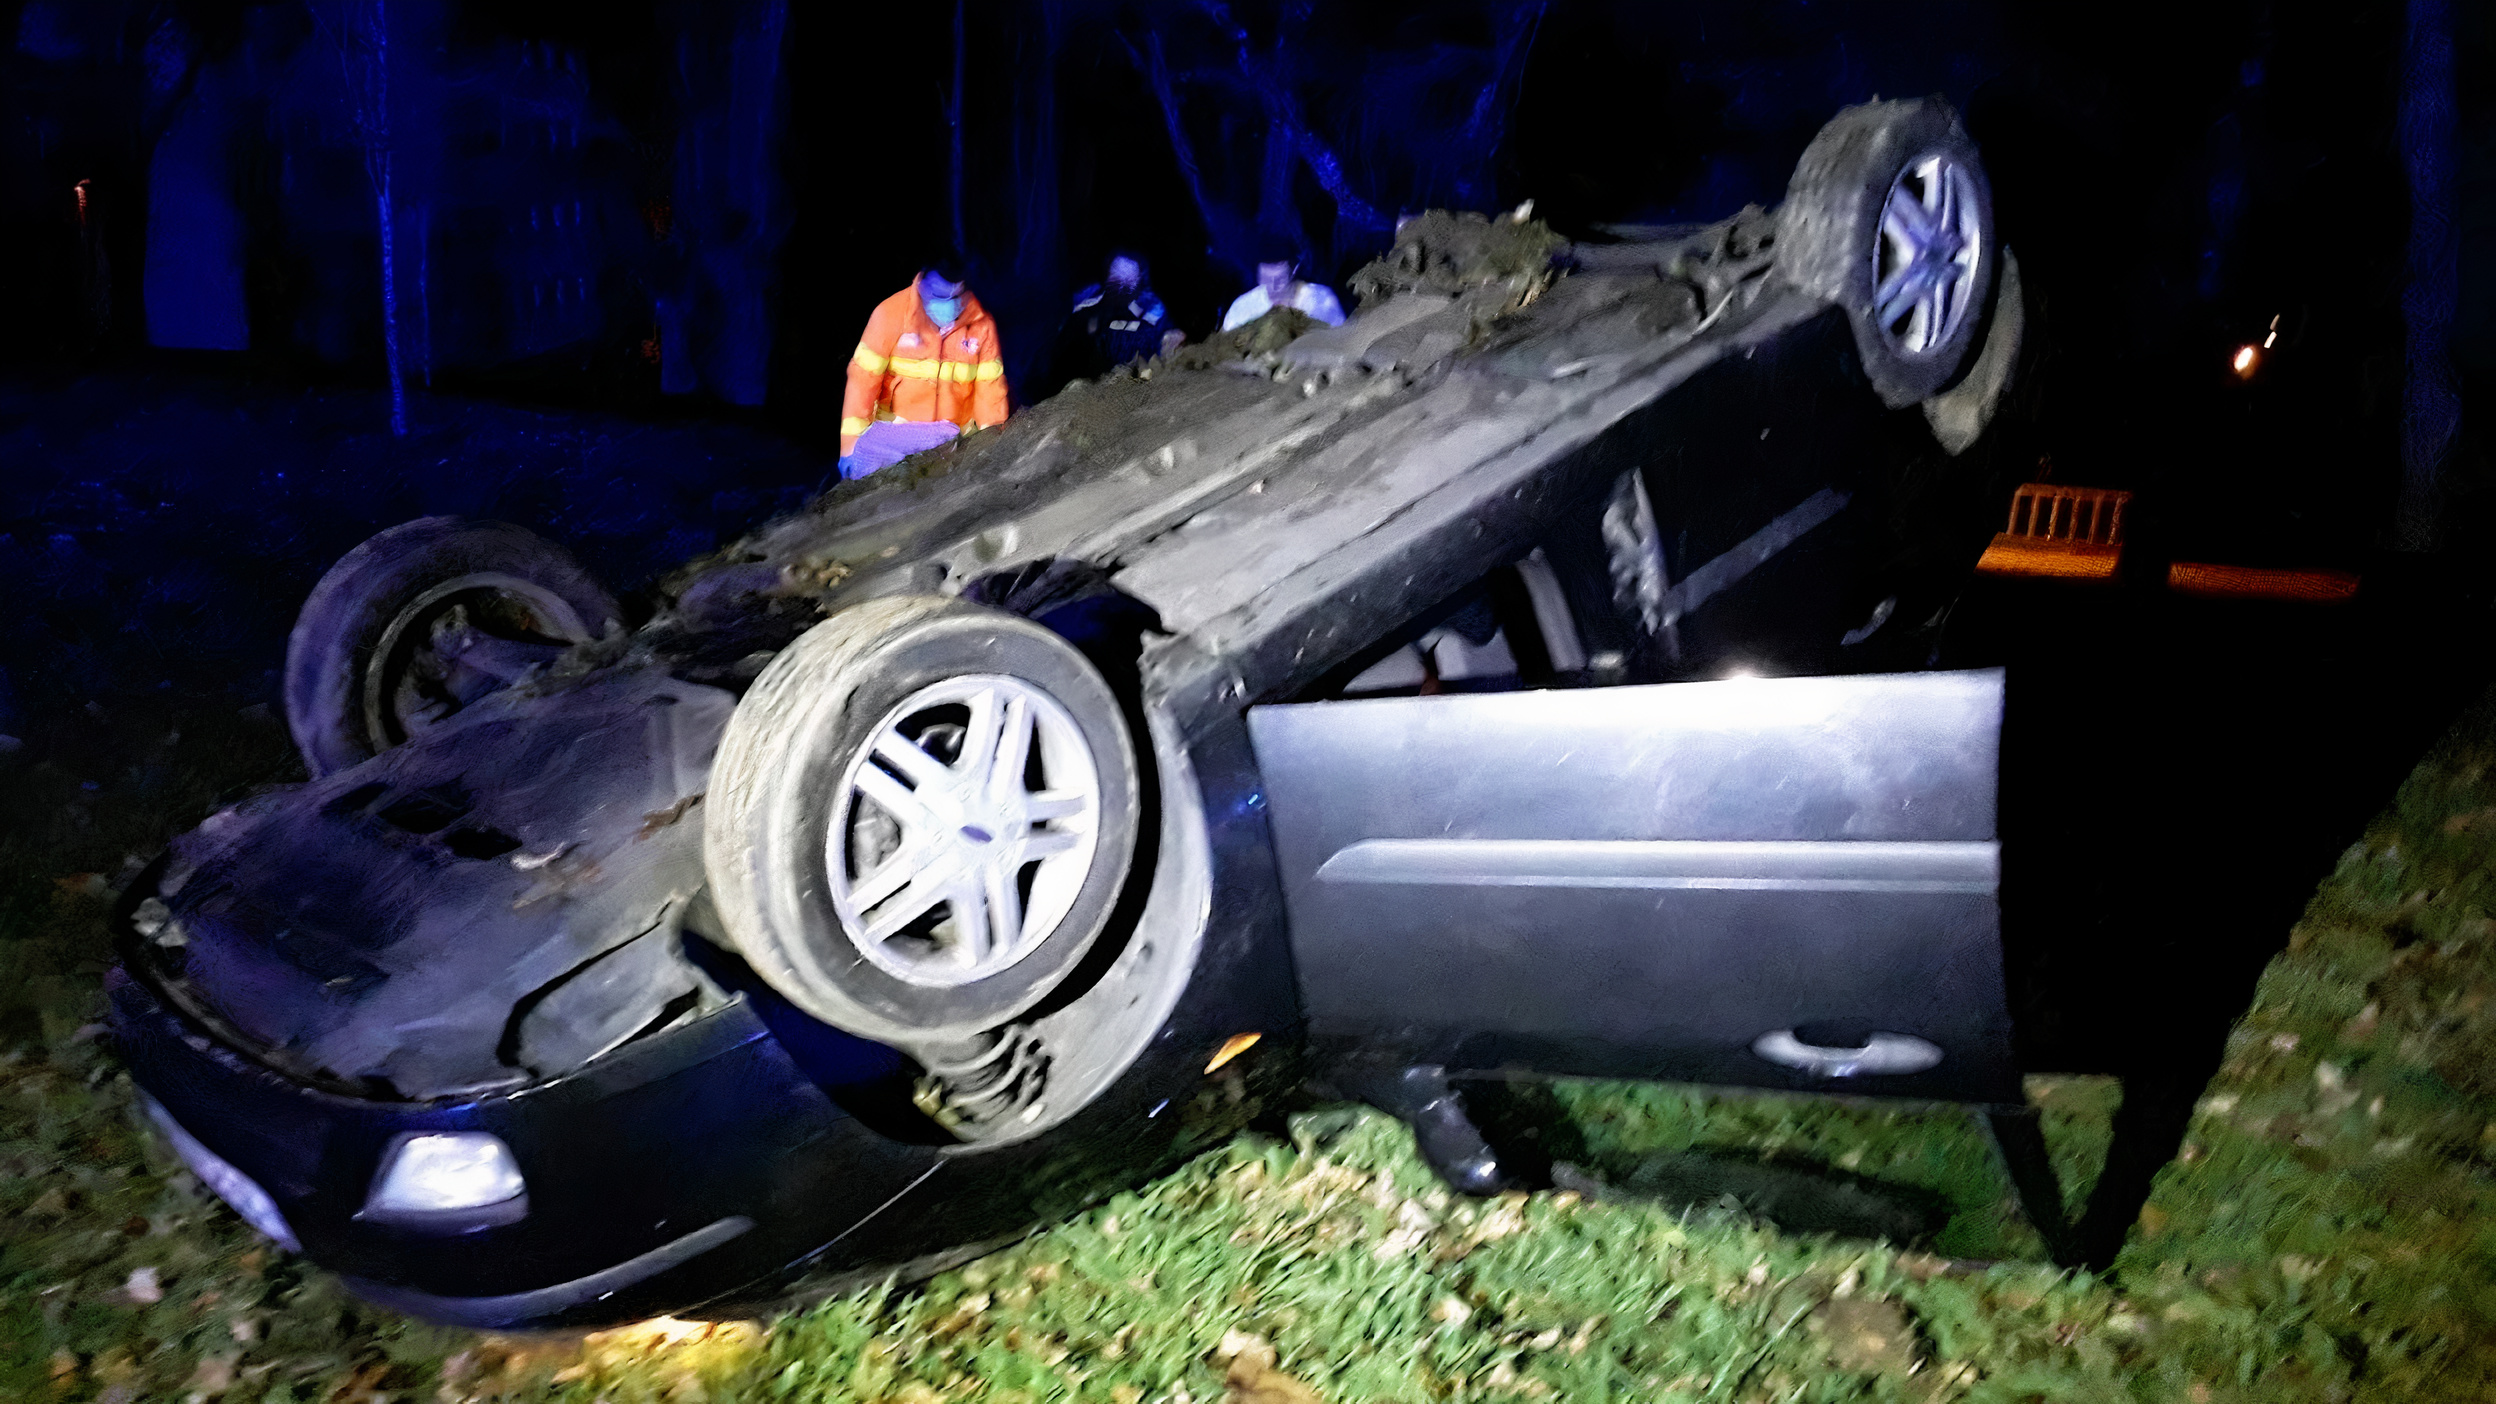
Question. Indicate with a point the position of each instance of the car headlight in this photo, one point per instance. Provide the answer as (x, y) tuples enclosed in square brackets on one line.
[(445, 1172)]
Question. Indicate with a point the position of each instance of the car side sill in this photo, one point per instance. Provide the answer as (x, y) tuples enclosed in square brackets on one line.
[(519, 1308)]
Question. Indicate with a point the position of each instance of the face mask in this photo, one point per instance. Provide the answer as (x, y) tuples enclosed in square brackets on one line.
[(941, 310)]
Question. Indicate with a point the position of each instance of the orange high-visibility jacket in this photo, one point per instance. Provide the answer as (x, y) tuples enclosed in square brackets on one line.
[(906, 368)]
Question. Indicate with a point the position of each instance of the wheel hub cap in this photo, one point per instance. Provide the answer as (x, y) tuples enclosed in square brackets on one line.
[(1925, 258), (966, 826)]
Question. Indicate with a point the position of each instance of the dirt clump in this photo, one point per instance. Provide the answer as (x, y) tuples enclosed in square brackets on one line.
[(1454, 252), (1263, 337)]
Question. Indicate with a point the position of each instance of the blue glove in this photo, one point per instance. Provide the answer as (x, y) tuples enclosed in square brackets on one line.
[(887, 442)]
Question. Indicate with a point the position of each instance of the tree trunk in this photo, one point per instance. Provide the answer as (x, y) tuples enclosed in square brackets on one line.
[(364, 62), (953, 119), (375, 20), (2431, 402)]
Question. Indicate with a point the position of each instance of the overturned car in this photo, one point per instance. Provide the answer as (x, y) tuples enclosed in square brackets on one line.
[(936, 861)]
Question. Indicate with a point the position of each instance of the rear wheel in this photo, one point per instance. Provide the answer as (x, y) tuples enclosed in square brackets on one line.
[(423, 620), (1890, 217)]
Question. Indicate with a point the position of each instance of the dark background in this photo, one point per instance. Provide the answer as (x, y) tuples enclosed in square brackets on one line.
[(629, 205), (632, 246)]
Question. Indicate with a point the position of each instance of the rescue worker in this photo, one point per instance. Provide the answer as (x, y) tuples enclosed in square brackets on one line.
[(927, 368), (1279, 286), (1120, 319)]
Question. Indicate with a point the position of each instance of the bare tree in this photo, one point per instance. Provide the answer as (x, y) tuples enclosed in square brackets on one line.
[(953, 117), (1364, 144), (1153, 61), (360, 32), (2431, 406)]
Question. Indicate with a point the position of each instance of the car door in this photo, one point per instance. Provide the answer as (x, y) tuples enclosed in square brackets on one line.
[(1785, 883)]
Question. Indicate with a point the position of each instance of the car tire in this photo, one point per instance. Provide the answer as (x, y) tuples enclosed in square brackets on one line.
[(372, 613), (963, 887), (1890, 217)]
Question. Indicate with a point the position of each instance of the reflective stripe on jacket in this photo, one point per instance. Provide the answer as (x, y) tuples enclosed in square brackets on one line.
[(906, 367)]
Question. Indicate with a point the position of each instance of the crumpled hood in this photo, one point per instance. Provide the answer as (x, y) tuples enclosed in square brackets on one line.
[(493, 903)]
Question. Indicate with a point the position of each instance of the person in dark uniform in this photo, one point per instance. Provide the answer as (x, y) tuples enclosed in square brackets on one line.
[(1116, 320)]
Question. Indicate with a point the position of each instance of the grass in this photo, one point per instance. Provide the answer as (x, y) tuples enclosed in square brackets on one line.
[(2328, 1234)]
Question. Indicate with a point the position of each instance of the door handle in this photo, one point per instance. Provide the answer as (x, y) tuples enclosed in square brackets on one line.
[(1882, 1053)]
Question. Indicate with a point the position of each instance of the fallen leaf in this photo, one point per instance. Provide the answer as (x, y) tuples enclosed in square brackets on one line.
[(142, 1288), (1249, 1383), (1412, 1225), (364, 1386), (2362, 1027), (1866, 1337), (958, 1320), (1923, 1267), (114, 1366), (1237, 1345), (215, 1375)]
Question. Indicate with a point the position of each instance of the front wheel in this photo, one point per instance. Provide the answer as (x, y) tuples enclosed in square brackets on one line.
[(921, 819)]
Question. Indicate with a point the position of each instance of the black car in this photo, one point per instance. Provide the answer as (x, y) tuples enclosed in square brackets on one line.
[(1517, 679)]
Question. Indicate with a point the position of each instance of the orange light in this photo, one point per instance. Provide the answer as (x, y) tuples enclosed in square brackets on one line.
[(1231, 1048), (2231, 582), (2246, 358)]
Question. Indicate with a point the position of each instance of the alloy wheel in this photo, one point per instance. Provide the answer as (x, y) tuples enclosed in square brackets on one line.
[(966, 825)]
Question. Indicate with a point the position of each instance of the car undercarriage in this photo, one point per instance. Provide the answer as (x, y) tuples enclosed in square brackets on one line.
[(1381, 699)]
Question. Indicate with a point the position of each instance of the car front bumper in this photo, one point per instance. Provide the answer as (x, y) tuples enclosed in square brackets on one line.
[(700, 1161)]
